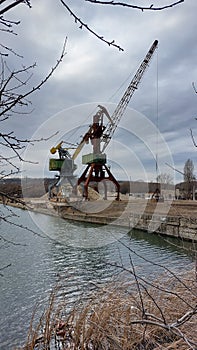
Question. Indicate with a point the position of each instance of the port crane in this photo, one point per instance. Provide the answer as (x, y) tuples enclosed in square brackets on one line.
[(64, 165), (100, 135)]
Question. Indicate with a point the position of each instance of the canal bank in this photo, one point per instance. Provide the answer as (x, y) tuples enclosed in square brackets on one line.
[(176, 219)]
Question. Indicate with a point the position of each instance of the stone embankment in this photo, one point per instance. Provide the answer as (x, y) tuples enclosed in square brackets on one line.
[(176, 218), (171, 218)]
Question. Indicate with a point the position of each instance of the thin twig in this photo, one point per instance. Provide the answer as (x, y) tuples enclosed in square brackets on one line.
[(137, 7), (84, 25)]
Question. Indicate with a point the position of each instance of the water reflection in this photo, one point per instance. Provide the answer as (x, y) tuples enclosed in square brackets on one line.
[(38, 262), (78, 234)]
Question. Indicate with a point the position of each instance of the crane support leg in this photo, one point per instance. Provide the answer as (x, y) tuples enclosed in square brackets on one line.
[(112, 178), (83, 179), (95, 172), (89, 178)]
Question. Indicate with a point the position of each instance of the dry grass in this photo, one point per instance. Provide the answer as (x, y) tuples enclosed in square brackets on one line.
[(124, 317)]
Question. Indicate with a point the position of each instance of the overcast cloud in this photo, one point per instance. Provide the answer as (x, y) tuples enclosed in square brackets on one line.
[(92, 73)]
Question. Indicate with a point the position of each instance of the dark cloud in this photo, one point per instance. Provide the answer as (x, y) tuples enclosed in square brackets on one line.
[(93, 71)]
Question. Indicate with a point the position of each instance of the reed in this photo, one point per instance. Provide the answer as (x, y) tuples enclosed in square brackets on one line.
[(137, 316)]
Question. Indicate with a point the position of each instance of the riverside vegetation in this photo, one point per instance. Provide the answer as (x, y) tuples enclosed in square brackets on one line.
[(135, 315)]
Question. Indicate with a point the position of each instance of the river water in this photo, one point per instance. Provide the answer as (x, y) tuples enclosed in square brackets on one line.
[(76, 253)]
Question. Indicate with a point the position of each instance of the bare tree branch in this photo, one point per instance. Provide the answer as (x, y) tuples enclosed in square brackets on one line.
[(192, 136), (181, 172), (19, 99), (194, 87), (84, 25), (79, 21), (8, 219), (14, 4), (13, 97), (3, 268), (137, 7)]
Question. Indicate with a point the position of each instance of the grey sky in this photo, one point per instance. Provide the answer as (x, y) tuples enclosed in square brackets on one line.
[(92, 73)]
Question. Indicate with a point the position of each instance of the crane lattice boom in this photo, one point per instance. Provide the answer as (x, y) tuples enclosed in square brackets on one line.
[(117, 114)]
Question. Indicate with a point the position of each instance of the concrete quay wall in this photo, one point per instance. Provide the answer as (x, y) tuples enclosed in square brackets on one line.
[(180, 226), (174, 226), (184, 228)]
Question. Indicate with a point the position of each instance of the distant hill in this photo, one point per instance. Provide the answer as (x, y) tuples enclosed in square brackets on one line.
[(27, 187)]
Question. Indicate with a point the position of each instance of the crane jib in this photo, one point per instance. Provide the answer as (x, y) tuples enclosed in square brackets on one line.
[(122, 105)]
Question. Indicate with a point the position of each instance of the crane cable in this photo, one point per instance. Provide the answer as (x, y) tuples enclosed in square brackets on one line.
[(157, 118)]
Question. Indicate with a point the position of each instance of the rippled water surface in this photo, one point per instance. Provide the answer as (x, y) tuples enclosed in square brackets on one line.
[(76, 253)]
